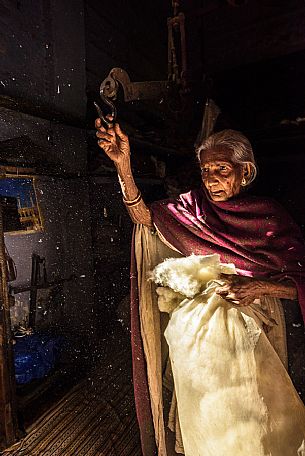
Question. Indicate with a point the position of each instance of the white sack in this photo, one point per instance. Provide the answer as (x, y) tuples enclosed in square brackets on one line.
[(211, 346)]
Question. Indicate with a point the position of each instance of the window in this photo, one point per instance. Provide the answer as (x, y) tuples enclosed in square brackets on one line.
[(21, 211)]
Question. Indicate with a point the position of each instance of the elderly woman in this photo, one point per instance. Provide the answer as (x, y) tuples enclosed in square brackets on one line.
[(265, 246)]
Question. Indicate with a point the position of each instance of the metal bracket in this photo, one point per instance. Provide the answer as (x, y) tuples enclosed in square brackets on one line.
[(148, 90)]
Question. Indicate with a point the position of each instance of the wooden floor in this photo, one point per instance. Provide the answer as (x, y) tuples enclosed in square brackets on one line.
[(95, 418)]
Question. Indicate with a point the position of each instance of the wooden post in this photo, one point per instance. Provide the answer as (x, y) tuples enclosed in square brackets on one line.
[(8, 412)]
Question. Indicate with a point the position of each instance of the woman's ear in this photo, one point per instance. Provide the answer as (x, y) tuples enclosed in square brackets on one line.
[(246, 170)]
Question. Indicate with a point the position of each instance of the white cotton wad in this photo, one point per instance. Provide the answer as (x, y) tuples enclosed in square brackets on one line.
[(190, 275), (220, 409)]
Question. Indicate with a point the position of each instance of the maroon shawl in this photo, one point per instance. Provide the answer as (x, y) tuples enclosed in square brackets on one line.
[(256, 234)]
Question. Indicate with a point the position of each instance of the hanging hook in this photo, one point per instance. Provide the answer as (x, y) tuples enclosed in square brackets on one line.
[(107, 123)]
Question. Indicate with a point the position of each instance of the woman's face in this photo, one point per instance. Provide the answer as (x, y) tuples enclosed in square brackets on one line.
[(220, 175)]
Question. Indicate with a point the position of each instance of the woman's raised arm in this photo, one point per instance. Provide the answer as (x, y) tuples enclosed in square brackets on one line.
[(116, 145)]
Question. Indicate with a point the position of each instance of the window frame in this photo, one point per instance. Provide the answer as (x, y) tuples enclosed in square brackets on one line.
[(15, 173)]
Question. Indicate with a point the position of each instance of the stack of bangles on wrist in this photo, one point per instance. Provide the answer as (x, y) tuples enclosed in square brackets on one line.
[(133, 202)]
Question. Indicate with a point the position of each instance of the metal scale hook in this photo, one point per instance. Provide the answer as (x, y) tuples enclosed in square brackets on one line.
[(106, 122)]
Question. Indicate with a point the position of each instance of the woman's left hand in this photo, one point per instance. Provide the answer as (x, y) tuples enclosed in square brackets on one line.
[(242, 291)]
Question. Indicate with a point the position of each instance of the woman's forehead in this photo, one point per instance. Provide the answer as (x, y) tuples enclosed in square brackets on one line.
[(216, 154)]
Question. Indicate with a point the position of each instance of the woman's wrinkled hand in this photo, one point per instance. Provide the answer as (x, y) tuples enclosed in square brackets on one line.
[(242, 291), (113, 141)]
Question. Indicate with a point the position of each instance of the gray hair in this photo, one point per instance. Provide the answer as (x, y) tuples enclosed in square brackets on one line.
[(237, 143)]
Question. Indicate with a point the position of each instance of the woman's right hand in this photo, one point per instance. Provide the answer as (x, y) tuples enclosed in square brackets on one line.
[(113, 141)]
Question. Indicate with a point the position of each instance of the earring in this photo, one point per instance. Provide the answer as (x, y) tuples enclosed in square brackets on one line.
[(243, 182)]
